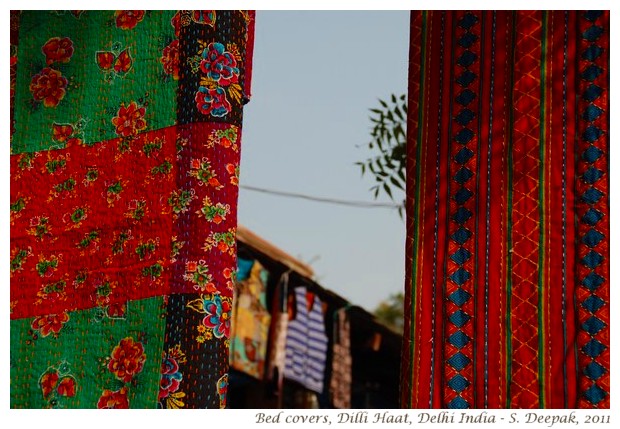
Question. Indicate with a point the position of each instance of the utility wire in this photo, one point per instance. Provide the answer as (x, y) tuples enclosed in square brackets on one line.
[(364, 204)]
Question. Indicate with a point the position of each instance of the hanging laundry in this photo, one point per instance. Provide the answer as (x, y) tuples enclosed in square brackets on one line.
[(125, 144), (507, 293), (306, 342), (340, 384), (250, 324)]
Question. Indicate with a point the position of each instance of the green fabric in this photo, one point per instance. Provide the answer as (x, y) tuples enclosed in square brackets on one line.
[(93, 96), (82, 349)]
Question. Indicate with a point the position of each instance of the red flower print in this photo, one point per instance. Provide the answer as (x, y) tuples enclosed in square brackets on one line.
[(127, 359), (58, 50), (123, 62), (50, 323), (66, 387), (48, 86), (113, 399), (117, 310), (170, 59), (128, 19), (212, 101), (48, 382), (129, 120), (61, 133), (105, 60)]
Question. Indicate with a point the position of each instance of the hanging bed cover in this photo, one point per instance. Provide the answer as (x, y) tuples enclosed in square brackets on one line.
[(125, 138), (507, 292)]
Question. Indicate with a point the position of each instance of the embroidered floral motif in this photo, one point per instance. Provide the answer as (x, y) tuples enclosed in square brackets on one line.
[(171, 377), (113, 399), (57, 50), (128, 19), (50, 324), (57, 383), (48, 86), (213, 101), (170, 59), (129, 120), (127, 359), (217, 313)]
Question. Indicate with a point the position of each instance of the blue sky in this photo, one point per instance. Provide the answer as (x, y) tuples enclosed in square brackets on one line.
[(316, 74)]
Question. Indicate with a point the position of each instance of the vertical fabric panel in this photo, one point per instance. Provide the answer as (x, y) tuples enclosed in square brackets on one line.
[(507, 294), (125, 143)]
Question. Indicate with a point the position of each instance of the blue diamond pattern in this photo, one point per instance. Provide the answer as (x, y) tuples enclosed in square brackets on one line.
[(464, 117), (459, 318), (593, 348), (461, 256), (459, 296), (593, 325), (591, 72), (458, 403), (592, 15), (461, 235), (592, 175), (593, 33), (458, 383), (592, 52), (458, 361), (466, 97), (592, 259), (591, 134), (591, 217), (595, 394), (463, 175), (591, 196), (467, 40), (468, 21), (592, 238), (594, 370), (459, 339), (592, 92), (462, 195), (592, 113), (461, 215), (592, 281), (466, 59), (460, 276), (463, 155), (466, 78), (591, 154), (592, 303), (464, 136)]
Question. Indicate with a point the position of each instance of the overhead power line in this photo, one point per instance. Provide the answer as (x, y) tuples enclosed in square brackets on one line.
[(365, 204)]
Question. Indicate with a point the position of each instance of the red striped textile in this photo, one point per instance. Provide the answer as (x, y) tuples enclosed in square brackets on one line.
[(507, 290)]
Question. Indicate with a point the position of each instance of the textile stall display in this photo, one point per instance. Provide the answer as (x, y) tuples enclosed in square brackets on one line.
[(125, 138), (251, 320), (507, 292)]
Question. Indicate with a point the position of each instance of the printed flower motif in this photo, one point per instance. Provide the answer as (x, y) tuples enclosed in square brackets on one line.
[(198, 273), (48, 86), (128, 19), (52, 323), (119, 64), (129, 119), (223, 241), (218, 316), (57, 382), (222, 389), (61, 132), (113, 399), (215, 213), (48, 382), (233, 170), (116, 310), (201, 169), (171, 378), (127, 359), (57, 50), (212, 101), (170, 59), (219, 65), (206, 17)]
